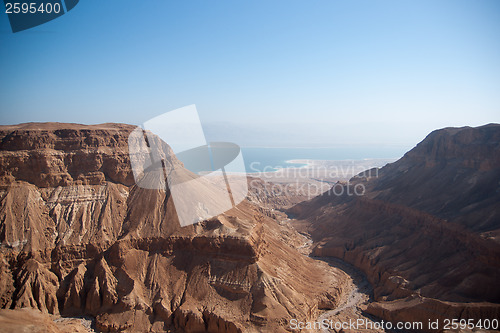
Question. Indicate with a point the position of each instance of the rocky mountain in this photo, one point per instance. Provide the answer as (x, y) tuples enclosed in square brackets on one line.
[(453, 174), (425, 229), (78, 238)]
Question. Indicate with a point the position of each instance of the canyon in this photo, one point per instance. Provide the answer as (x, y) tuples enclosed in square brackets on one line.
[(425, 229), (82, 247)]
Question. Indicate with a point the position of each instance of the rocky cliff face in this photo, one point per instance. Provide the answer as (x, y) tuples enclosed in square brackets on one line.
[(453, 174), (425, 227), (79, 238), (52, 154)]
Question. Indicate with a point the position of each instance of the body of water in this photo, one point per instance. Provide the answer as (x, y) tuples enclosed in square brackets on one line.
[(258, 159)]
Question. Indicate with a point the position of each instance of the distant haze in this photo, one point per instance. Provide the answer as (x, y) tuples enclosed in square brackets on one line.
[(315, 135), (263, 73)]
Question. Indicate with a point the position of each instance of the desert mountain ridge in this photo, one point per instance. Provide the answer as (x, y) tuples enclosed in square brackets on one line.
[(426, 229), (78, 238)]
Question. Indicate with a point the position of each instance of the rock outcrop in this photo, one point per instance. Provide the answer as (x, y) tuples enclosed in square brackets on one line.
[(79, 238), (427, 310)]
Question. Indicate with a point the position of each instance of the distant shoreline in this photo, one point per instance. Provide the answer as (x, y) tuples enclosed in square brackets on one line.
[(327, 170), (314, 162)]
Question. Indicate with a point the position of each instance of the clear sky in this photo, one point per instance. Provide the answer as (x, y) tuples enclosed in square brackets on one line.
[(299, 72)]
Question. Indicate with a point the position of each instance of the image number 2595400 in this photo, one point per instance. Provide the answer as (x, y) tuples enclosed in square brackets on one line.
[(28, 14)]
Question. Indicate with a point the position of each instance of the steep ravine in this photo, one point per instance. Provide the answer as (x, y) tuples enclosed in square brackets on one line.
[(425, 231), (353, 302)]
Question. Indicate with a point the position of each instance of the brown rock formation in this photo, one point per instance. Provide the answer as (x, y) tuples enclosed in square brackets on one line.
[(425, 227), (38, 287), (424, 310), (78, 238), (453, 174)]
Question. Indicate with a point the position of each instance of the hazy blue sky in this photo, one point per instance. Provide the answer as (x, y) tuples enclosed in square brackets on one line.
[(323, 71)]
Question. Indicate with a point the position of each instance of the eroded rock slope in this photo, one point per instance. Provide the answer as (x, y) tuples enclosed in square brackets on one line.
[(79, 238), (425, 228)]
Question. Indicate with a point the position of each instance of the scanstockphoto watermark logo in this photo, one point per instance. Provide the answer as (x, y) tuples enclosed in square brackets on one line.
[(207, 183), (28, 14)]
